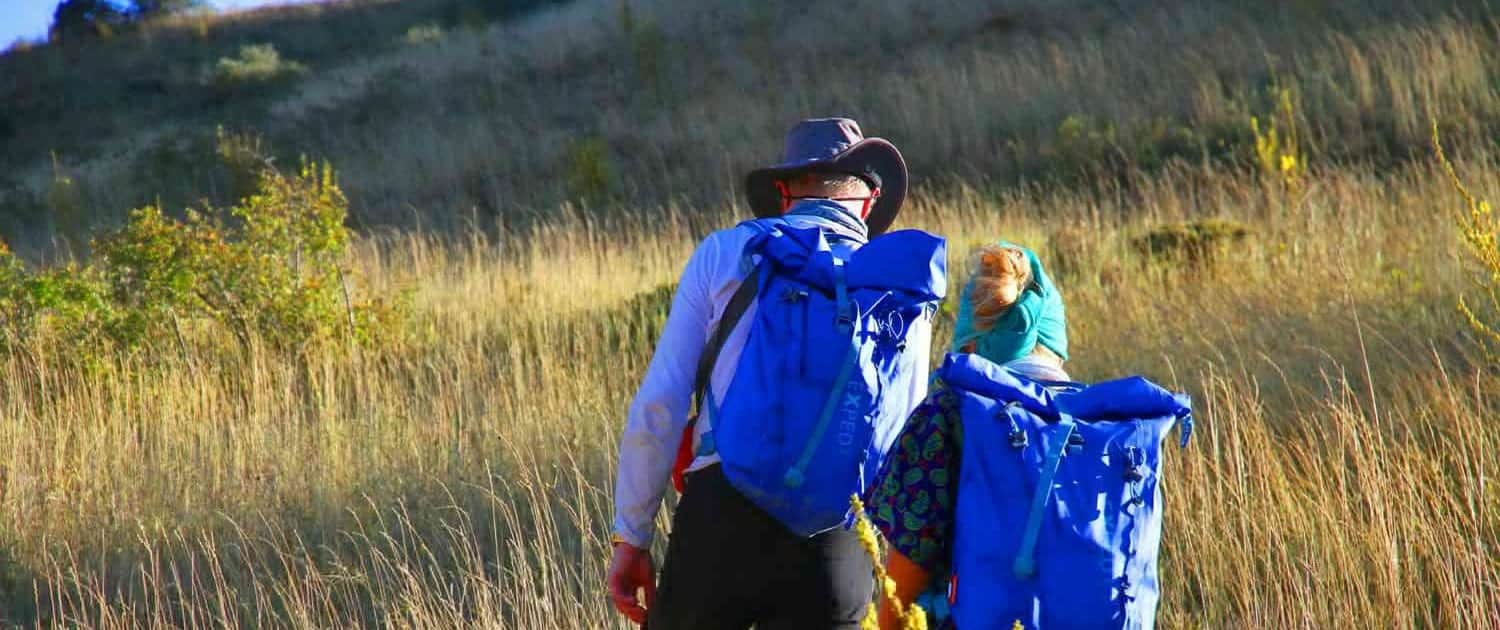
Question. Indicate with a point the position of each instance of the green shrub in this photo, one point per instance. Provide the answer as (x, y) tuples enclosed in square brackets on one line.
[(67, 303), (590, 174), (267, 269), (1083, 142), (1191, 243), (256, 63), (424, 34), (14, 315), (155, 268), (80, 19)]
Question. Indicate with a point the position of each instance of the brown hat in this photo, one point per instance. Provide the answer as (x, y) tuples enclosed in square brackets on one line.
[(834, 145)]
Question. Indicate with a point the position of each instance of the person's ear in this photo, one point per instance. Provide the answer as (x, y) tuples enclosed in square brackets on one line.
[(786, 195)]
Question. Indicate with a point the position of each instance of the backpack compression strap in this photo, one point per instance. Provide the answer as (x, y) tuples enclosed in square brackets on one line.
[(796, 475), (1025, 564)]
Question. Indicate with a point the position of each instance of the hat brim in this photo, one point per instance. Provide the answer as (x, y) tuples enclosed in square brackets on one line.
[(871, 155)]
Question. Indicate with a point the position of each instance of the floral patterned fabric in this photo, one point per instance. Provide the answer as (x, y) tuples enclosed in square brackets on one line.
[(913, 503)]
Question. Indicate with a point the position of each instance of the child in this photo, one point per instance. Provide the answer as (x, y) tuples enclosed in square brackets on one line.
[(1009, 313)]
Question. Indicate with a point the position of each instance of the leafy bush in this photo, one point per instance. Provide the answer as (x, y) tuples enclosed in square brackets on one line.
[(14, 299), (590, 173), (1192, 243), (1083, 142), (268, 269), (77, 19), (424, 34), (68, 302), (256, 63)]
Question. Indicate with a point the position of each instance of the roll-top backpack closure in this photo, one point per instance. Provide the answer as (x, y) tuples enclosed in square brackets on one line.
[(908, 262), (1059, 513)]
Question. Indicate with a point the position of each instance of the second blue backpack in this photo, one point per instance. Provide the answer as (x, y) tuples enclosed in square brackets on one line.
[(1059, 515), (829, 371)]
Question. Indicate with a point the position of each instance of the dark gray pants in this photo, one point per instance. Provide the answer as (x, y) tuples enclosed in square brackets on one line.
[(730, 565)]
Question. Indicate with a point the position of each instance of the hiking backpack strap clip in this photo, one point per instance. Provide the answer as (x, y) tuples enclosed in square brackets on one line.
[(1025, 564)]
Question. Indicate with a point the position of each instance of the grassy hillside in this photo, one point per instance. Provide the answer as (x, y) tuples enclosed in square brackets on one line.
[(132, 118), (461, 475), (635, 104)]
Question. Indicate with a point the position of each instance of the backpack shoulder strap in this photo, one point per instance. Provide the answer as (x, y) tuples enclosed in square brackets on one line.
[(733, 311), (736, 308)]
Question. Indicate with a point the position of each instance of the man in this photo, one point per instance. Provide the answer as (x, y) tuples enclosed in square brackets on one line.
[(730, 563)]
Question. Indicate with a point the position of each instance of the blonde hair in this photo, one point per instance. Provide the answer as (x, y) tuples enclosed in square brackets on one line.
[(999, 276)]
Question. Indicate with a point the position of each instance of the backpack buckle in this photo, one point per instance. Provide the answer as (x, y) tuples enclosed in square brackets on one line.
[(1135, 462), (1075, 442), (1017, 437)]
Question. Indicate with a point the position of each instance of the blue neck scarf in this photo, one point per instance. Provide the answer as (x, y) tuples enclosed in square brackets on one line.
[(831, 215)]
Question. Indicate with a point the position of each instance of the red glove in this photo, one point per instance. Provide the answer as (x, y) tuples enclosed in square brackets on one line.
[(630, 571)]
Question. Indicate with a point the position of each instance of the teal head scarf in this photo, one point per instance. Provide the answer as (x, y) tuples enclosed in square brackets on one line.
[(1037, 317)]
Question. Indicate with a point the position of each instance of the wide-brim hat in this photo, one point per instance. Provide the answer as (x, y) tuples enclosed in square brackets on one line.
[(833, 145)]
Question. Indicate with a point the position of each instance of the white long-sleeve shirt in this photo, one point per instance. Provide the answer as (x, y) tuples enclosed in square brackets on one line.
[(659, 412)]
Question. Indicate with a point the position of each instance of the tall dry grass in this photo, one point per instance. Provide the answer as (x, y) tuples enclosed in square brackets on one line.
[(1339, 477), (462, 478)]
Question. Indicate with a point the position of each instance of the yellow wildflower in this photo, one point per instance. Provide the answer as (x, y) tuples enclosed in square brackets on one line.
[(912, 616)]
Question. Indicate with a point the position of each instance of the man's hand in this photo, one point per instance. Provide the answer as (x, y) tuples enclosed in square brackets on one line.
[(630, 571)]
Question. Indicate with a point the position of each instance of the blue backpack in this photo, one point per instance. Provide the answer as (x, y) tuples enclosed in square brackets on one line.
[(826, 379), (1058, 520)]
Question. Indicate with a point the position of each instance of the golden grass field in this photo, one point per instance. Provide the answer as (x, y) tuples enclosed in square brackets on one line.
[(1340, 475), (1338, 478)]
